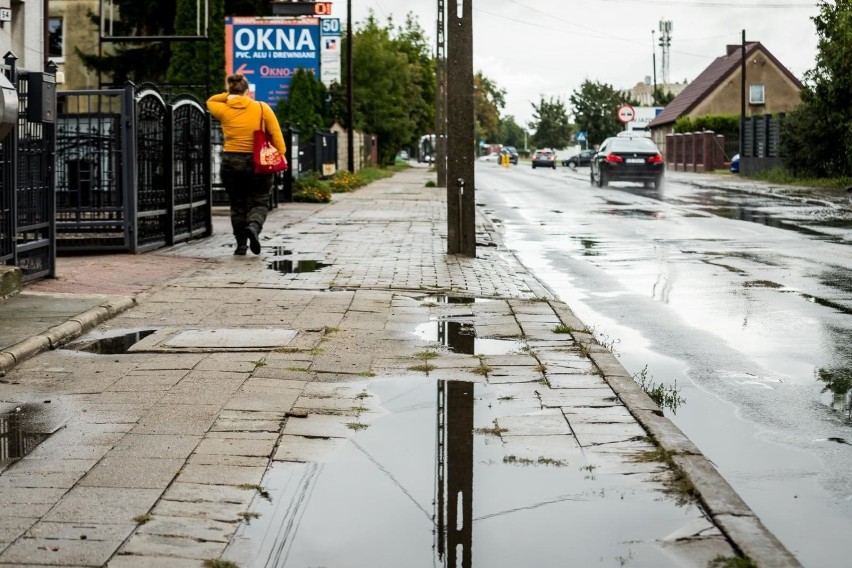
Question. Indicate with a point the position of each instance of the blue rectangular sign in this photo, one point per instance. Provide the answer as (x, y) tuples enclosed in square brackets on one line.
[(268, 52)]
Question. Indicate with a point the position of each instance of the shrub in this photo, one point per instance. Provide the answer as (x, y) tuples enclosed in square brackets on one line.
[(310, 188), (344, 180)]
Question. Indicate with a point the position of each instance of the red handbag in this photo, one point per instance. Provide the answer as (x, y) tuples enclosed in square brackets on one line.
[(267, 158)]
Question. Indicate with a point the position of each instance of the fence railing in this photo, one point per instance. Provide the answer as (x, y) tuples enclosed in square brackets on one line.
[(132, 170), (762, 148), (27, 225), (695, 151)]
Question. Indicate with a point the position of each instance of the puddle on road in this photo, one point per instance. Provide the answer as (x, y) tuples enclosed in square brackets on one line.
[(634, 213), (764, 218), (112, 345), (296, 267), (21, 430), (421, 486)]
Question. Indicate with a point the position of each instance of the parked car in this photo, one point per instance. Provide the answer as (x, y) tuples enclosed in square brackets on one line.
[(735, 164), (583, 159), (634, 159), (513, 154), (544, 159), (403, 155)]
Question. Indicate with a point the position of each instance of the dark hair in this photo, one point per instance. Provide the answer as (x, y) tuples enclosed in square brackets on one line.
[(237, 84)]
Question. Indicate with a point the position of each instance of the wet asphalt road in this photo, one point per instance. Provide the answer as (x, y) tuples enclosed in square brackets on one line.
[(741, 301)]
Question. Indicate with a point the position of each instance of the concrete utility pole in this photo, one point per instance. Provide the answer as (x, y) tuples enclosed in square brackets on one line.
[(665, 43), (461, 203), (742, 98), (350, 98), (441, 97)]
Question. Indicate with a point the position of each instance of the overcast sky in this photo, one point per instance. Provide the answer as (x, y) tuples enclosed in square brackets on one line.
[(536, 47)]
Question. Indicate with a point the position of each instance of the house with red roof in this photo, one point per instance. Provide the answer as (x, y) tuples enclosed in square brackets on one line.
[(770, 88)]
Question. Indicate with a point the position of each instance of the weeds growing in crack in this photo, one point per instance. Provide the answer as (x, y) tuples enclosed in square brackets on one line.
[(426, 355), (219, 563), (732, 562), (142, 519), (254, 487), (666, 397), (423, 368), (494, 430)]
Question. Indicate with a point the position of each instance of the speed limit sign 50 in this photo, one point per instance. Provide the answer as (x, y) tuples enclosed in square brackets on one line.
[(626, 113)]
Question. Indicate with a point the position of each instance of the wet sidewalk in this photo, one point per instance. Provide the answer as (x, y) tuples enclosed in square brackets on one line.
[(354, 396)]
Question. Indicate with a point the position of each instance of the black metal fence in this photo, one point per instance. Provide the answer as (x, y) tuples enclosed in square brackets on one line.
[(132, 170), (761, 149), (26, 181)]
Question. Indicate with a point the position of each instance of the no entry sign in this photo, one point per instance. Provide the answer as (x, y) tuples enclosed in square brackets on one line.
[(626, 113)]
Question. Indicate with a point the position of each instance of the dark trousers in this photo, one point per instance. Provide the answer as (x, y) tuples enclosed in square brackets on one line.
[(248, 192)]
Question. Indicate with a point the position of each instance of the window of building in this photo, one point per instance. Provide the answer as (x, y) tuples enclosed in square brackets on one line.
[(756, 94), (55, 45)]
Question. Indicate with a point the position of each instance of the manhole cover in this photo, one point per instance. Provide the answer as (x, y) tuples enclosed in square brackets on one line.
[(219, 339)]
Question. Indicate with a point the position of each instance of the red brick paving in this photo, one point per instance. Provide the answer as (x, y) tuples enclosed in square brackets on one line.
[(116, 274)]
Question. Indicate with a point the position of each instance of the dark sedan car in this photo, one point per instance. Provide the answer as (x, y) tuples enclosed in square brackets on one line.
[(582, 159), (628, 159), (544, 159)]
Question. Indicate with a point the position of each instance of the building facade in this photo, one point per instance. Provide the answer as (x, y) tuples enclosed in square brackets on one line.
[(23, 32), (72, 31)]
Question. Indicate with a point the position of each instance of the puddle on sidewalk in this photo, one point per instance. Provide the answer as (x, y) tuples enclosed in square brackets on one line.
[(21, 430), (112, 345), (460, 337), (296, 267), (429, 483)]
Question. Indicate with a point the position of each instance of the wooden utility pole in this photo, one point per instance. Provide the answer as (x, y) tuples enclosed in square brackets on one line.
[(441, 97)]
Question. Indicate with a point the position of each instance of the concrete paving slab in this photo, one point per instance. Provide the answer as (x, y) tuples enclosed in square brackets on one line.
[(150, 561), (319, 426), (103, 505), (221, 475), (120, 470), (541, 423), (303, 449), (237, 461), (597, 415), (596, 433), (199, 492), (575, 381), (174, 446), (58, 479), (185, 419), (13, 527), (184, 527), (559, 398), (242, 446), (172, 546), (82, 531), (59, 552), (225, 512), (557, 447)]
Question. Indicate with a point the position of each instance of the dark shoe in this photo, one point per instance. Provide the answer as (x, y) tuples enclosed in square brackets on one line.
[(254, 243), (241, 249)]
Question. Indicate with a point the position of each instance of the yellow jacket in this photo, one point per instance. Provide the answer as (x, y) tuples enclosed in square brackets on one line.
[(240, 117)]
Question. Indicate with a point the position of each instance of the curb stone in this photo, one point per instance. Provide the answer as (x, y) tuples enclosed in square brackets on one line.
[(63, 333)]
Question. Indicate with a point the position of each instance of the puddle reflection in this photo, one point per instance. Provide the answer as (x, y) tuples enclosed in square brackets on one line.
[(460, 337), (20, 433), (114, 345), (838, 382), (423, 486), (296, 267)]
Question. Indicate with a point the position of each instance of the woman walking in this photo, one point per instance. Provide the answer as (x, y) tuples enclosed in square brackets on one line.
[(249, 193)]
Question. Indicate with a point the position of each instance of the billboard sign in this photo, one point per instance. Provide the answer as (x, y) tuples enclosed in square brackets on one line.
[(268, 51), (330, 53)]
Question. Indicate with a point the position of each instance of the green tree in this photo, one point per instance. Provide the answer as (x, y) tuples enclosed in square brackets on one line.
[(488, 101), (511, 133), (662, 98), (393, 84), (817, 136), (551, 124), (195, 63), (595, 106), (304, 106)]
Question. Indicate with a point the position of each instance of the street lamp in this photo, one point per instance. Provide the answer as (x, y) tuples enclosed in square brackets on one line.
[(350, 100)]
